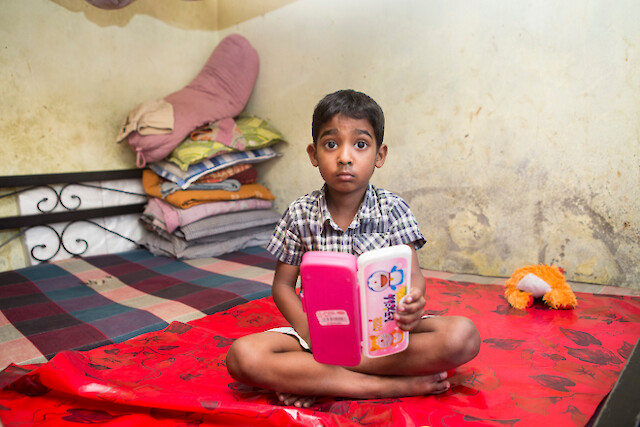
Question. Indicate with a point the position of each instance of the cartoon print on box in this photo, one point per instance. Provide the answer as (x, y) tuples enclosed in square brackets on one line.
[(379, 280), (386, 286), (382, 341)]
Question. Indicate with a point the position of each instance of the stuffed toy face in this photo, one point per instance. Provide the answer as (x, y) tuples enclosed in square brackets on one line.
[(539, 281)]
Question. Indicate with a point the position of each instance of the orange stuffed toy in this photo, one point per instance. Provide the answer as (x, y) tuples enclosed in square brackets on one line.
[(534, 281)]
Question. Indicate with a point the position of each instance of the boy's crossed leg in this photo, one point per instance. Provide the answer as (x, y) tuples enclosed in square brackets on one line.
[(276, 361)]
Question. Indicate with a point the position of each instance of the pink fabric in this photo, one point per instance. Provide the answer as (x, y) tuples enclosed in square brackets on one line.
[(174, 217), (221, 90), (225, 132)]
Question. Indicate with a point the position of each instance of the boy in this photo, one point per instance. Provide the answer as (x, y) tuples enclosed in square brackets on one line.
[(349, 215)]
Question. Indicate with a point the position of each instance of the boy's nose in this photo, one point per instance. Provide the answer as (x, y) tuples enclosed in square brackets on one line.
[(344, 156)]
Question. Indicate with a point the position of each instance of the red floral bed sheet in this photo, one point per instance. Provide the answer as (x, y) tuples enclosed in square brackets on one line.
[(536, 367)]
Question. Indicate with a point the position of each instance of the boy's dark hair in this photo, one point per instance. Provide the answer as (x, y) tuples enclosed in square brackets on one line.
[(350, 103)]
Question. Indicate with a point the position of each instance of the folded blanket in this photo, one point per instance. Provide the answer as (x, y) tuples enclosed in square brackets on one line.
[(225, 173), (186, 198), (172, 172), (168, 218), (225, 223), (246, 174), (167, 188), (153, 218), (148, 118), (208, 247)]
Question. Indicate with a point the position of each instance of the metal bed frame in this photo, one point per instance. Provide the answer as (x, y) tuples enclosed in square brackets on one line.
[(69, 201)]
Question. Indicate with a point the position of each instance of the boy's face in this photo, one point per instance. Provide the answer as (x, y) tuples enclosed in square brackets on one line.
[(346, 153)]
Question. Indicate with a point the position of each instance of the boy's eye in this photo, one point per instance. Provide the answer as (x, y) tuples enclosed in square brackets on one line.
[(330, 144), (361, 144)]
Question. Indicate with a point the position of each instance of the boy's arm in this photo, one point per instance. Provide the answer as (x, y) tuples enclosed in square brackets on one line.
[(412, 306), (417, 279), (286, 299)]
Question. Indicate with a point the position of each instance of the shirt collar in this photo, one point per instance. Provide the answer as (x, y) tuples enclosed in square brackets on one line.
[(324, 214), (368, 209)]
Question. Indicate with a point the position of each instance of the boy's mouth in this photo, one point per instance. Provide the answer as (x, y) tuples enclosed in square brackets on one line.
[(345, 176)]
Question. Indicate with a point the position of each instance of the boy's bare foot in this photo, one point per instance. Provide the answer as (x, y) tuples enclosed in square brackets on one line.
[(394, 386), (296, 400), (422, 385)]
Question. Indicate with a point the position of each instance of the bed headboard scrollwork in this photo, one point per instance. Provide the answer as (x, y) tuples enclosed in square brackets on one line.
[(58, 199)]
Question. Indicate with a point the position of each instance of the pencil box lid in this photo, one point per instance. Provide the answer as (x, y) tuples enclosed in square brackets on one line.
[(330, 297)]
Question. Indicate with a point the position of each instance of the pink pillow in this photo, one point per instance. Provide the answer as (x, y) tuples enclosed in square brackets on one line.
[(221, 90)]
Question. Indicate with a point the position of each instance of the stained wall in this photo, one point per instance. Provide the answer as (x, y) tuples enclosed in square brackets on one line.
[(513, 127), (70, 73)]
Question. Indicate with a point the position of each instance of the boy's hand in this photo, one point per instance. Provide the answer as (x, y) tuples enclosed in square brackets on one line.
[(410, 310)]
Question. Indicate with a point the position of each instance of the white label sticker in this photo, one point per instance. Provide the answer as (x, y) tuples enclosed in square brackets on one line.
[(332, 317)]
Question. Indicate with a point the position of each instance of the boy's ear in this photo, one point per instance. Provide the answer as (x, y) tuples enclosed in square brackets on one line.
[(381, 155), (311, 151)]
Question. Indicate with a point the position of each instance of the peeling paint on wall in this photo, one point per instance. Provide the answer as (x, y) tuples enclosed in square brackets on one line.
[(513, 129), (466, 233), (589, 245)]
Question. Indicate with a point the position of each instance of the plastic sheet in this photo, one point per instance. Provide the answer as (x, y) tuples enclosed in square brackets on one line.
[(536, 367)]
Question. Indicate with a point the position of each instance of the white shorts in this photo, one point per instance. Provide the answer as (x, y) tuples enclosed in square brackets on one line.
[(288, 330)]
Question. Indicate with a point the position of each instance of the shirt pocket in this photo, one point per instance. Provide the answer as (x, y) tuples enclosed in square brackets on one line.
[(366, 242)]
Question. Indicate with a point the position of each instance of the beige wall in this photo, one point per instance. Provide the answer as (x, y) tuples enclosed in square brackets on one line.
[(70, 72), (513, 128)]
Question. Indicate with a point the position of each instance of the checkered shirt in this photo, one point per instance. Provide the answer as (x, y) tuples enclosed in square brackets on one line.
[(384, 219)]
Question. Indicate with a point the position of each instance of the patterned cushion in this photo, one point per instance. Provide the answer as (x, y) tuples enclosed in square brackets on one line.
[(171, 172), (247, 133)]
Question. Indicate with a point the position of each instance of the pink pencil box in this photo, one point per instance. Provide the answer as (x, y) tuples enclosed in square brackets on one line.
[(350, 302)]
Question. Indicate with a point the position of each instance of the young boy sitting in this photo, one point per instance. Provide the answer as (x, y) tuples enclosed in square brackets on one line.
[(349, 215)]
